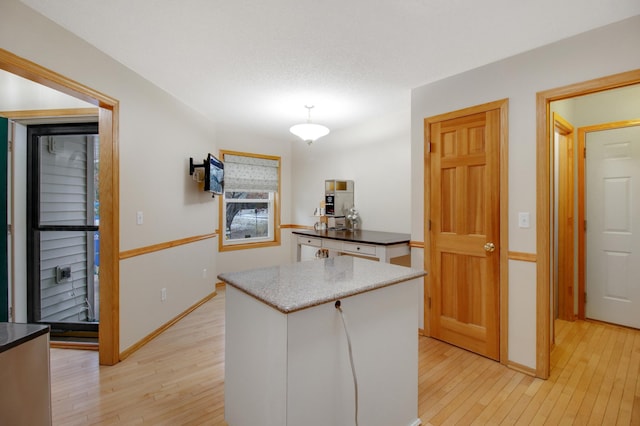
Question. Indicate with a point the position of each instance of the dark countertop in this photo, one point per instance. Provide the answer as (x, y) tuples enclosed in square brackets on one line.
[(359, 236), (301, 285), (15, 334)]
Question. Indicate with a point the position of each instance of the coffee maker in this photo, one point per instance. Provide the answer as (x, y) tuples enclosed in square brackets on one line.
[(338, 197)]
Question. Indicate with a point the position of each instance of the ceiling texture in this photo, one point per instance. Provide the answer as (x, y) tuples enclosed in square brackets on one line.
[(254, 65)]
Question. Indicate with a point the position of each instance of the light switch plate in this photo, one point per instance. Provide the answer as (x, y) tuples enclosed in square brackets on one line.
[(524, 220)]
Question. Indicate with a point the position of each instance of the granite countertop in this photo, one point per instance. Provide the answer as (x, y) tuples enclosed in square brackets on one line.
[(301, 285), (359, 236), (14, 334)]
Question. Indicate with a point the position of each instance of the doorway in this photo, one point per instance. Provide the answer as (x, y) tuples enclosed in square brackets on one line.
[(545, 205), (63, 229), (109, 338), (610, 203), (465, 175)]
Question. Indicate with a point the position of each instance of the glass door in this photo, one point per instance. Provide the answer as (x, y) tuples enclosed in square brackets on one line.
[(63, 229)]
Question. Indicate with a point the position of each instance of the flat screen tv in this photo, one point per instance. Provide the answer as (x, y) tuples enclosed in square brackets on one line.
[(213, 175)]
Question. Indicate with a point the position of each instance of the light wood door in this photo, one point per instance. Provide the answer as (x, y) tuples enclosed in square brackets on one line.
[(465, 231), (613, 219)]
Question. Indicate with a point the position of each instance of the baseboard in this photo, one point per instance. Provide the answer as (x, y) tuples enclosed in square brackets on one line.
[(220, 285), (133, 348), (421, 332), (521, 368), (74, 345)]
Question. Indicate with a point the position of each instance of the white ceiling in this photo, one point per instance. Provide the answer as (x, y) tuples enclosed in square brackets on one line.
[(255, 64)]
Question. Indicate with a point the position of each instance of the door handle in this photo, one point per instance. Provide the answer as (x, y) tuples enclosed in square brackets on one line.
[(490, 247)]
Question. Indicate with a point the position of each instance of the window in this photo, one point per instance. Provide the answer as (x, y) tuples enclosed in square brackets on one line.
[(249, 215)]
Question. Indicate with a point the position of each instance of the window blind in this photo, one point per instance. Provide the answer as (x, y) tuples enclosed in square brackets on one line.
[(244, 173)]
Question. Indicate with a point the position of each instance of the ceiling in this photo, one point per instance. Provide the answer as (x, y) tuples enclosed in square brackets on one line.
[(254, 65)]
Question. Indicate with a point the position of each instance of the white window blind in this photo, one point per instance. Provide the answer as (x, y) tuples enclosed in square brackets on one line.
[(250, 173)]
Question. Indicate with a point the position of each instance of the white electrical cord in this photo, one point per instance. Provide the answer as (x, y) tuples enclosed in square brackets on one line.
[(353, 369)]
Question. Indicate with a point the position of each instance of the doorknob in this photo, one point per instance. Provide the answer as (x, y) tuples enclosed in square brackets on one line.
[(490, 247)]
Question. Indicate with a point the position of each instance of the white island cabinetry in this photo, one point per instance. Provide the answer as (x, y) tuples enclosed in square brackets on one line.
[(286, 352)]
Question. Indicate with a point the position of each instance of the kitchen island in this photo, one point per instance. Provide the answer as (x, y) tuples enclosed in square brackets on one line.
[(286, 350), (383, 246), (25, 375)]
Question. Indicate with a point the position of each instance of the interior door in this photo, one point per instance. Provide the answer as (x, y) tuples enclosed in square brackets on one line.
[(465, 231), (613, 219)]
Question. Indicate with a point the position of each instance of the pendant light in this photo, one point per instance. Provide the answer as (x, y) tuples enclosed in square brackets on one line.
[(309, 131)]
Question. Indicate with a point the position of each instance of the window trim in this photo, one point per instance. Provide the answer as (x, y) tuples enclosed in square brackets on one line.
[(276, 239)]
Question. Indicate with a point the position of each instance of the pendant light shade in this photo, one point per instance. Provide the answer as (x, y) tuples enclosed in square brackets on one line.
[(309, 131)]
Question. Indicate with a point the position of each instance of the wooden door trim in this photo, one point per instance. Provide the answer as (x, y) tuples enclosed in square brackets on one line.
[(582, 231), (565, 197), (109, 334), (503, 106), (544, 204)]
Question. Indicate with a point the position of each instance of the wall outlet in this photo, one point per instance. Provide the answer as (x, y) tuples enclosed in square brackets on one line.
[(139, 218), (163, 295)]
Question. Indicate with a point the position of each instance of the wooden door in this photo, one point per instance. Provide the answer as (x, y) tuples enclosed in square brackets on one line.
[(613, 219), (465, 231)]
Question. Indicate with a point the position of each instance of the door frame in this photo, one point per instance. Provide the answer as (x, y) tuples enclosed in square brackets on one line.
[(108, 119), (544, 202), (565, 231), (582, 230), (503, 106)]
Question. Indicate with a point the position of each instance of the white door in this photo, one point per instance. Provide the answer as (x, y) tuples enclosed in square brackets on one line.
[(613, 222)]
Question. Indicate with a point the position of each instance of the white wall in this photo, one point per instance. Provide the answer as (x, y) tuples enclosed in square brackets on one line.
[(604, 51), (157, 137), (375, 155)]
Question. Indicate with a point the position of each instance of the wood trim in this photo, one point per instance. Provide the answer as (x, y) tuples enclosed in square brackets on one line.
[(522, 368), (74, 345), (108, 118), (416, 244), (582, 137), (504, 229), (543, 245), (276, 205), (543, 201), (525, 257), (503, 106), (566, 216), (163, 246), (109, 181), (133, 348), (42, 113), (34, 72), (581, 218), (294, 226), (220, 285)]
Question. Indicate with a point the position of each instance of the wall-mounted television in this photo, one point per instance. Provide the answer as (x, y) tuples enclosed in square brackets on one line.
[(214, 175)]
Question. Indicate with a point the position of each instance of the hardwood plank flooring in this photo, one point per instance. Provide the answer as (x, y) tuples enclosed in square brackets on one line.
[(178, 379)]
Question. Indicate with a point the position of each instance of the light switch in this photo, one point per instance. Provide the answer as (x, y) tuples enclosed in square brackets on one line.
[(524, 220), (139, 218)]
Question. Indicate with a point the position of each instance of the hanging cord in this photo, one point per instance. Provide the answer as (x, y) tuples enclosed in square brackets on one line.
[(353, 369)]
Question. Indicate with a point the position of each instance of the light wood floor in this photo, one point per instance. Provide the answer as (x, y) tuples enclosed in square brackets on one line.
[(178, 379)]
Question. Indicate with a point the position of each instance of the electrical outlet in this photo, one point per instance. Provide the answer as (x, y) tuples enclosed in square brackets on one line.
[(163, 295), (524, 220), (139, 218)]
